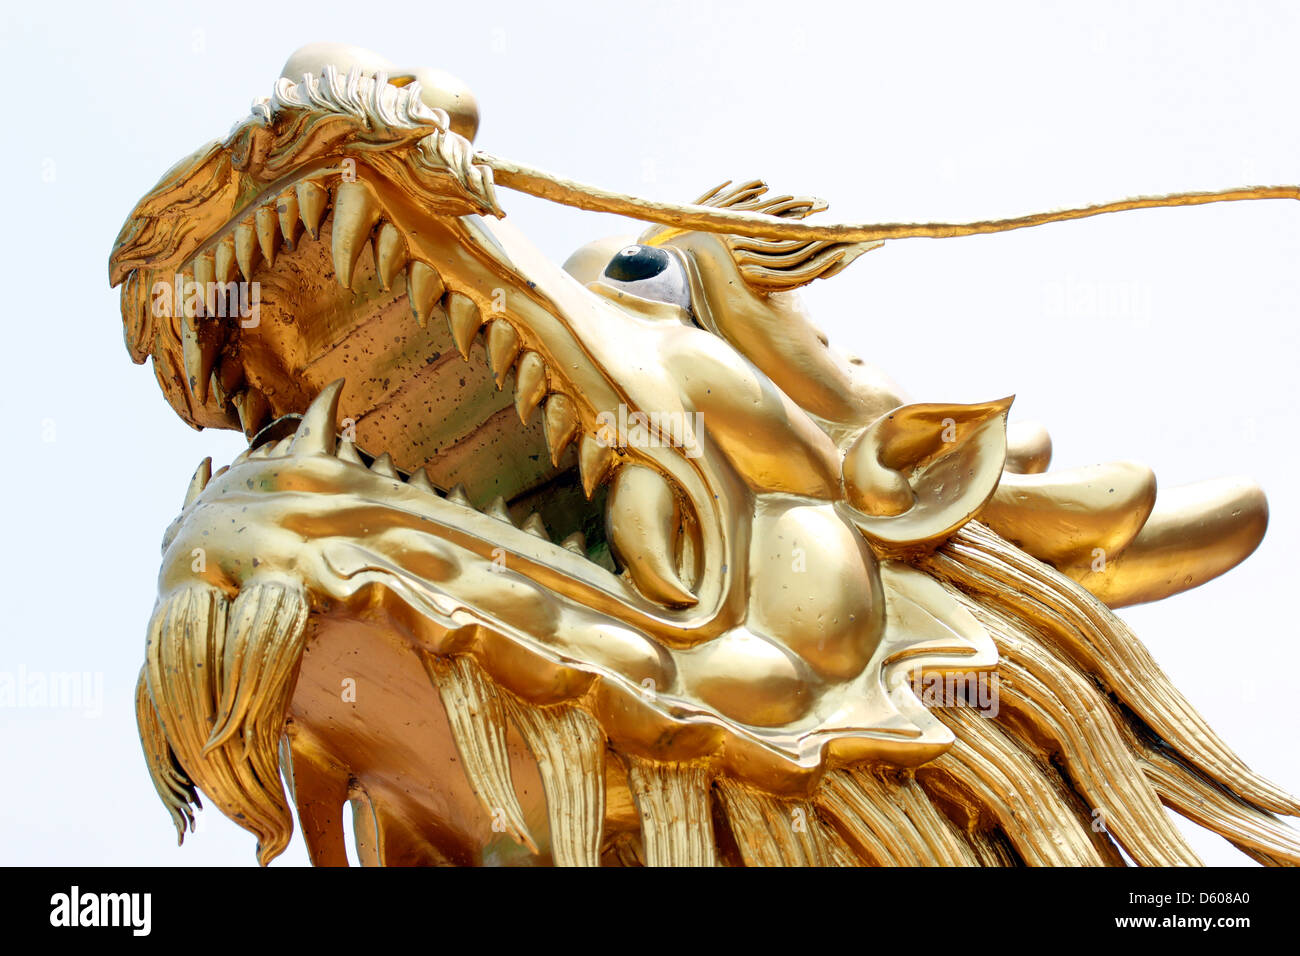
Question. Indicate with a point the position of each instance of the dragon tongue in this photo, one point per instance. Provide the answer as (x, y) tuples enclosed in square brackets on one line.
[(642, 518)]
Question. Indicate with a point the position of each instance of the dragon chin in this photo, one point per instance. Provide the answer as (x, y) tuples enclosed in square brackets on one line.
[(447, 584)]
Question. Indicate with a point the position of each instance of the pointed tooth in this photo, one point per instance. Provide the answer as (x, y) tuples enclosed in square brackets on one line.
[(246, 249), (561, 423), (576, 542), (384, 466), (280, 448), (458, 496), (205, 273), (286, 210), (464, 318), (215, 390), (204, 270), (356, 211), (390, 254), (594, 462), (530, 384), (189, 311), (226, 265), (312, 200), (202, 475), (348, 452), (420, 479), (533, 524), (253, 410), (499, 510), (641, 519), (268, 233), (227, 378), (198, 356), (316, 434), (502, 349), (424, 288)]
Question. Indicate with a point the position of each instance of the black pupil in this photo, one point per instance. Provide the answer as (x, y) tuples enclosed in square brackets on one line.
[(637, 262)]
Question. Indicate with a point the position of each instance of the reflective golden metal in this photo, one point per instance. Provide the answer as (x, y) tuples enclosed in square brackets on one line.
[(623, 563)]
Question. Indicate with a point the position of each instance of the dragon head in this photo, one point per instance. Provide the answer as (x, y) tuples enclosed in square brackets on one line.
[(615, 561)]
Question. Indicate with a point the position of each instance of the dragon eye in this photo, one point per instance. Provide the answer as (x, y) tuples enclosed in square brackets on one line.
[(649, 273), (637, 262)]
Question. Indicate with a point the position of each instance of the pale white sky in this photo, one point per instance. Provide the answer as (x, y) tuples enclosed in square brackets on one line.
[(890, 111)]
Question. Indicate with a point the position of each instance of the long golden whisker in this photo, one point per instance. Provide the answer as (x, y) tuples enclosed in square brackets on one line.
[(697, 218)]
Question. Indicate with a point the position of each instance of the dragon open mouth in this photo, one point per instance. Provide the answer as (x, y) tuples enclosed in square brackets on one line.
[(444, 374), (626, 542)]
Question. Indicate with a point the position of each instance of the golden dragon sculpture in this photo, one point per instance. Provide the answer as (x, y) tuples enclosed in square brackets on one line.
[(623, 563)]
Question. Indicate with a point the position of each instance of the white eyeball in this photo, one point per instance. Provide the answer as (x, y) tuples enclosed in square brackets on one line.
[(649, 273)]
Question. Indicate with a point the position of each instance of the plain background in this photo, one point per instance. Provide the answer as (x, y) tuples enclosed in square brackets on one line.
[(1168, 336)]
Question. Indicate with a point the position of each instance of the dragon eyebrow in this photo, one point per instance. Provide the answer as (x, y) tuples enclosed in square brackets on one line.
[(697, 218)]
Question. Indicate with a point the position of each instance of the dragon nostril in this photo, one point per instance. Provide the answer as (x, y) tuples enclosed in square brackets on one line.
[(637, 262)]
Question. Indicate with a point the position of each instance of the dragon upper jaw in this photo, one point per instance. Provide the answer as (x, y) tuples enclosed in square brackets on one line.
[(320, 296)]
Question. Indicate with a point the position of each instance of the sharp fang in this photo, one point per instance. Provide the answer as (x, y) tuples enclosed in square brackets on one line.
[(202, 475), (419, 479), (464, 318), (190, 306), (205, 274), (642, 519), (594, 462), (316, 432), (216, 389), (225, 260), (198, 357), (499, 510), (253, 410), (424, 288), (576, 542), (268, 233), (384, 466), (390, 254), (530, 384), (246, 249), (348, 452), (561, 425), (533, 524), (286, 210), (312, 200), (457, 496), (502, 349), (356, 212)]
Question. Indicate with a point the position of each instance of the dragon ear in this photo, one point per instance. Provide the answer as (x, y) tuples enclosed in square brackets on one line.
[(920, 472)]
